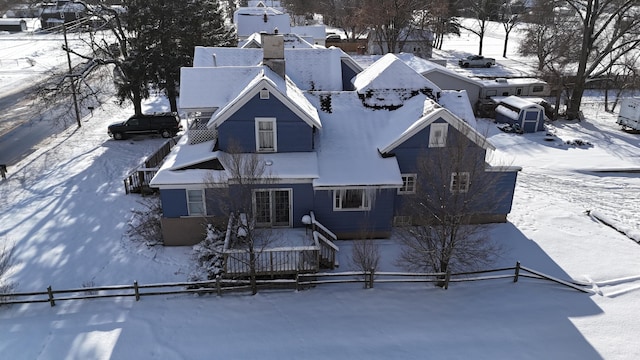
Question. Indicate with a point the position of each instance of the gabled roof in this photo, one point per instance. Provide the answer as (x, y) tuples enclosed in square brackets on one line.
[(283, 89), (431, 112), (389, 81), (389, 72), (291, 41)]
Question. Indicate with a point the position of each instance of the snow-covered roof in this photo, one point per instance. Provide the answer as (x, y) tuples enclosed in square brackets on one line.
[(310, 69), (347, 155), (399, 131), (284, 166), (213, 87), (256, 20), (312, 31), (226, 56), (291, 41), (505, 111), (389, 81), (425, 67), (519, 103), (283, 89), (458, 103), (502, 82)]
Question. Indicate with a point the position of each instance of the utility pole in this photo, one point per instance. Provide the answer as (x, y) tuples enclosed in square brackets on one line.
[(71, 76)]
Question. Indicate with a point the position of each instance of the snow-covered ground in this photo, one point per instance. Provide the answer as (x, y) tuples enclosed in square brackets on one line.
[(65, 210)]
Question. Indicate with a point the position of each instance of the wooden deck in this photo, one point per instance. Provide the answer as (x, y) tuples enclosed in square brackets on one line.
[(285, 252)]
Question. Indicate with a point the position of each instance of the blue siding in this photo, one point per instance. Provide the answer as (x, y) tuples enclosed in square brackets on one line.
[(501, 194), (527, 127), (174, 203), (293, 134), (347, 75), (407, 153), (378, 219)]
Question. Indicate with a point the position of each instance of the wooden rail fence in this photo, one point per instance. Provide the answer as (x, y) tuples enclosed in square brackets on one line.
[(300, 282)]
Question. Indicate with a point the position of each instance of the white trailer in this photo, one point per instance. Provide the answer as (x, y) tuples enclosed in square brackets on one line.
[(629, 116)]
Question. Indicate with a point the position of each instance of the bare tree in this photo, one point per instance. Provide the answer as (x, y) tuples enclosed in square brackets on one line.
[(442, 21), (609, 29), (454, 190), (6, 262), (510, 15), (235, 196), (482, 11)]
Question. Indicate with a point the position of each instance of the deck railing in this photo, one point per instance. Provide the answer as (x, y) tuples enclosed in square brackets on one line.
[(324, 238), (138, 180)]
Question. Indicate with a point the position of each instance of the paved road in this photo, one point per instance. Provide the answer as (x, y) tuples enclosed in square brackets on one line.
[(19, 135)]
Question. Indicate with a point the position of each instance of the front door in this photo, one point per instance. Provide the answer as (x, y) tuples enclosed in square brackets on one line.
[(272, 207)]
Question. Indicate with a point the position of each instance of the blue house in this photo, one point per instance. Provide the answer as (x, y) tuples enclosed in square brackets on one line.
[(346, 151)]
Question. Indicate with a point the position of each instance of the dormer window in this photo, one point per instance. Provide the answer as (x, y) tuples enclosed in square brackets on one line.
[(266, 135), (264, 94), (438, 135)]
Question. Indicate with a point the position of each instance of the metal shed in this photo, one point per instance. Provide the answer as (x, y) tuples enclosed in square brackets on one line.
[(517, 111)]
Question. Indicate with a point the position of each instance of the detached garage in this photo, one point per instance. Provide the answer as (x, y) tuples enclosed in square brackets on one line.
[(13, 25), (522, 113)]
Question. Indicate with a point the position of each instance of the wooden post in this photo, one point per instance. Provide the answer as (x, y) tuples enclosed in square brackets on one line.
[(135, 289), (447, 277), (515, 278), (297, 281), (371, 271), (218, 287), (51, 301)]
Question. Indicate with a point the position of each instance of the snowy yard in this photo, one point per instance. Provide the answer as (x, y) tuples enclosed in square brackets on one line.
[(65, 209)]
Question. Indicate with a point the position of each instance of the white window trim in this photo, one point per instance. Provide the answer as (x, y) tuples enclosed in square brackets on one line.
[(264, 94), (275, 134), (203, 202), (254, 205), (401, 190), (365, 205), (435, 128), (467, 180)]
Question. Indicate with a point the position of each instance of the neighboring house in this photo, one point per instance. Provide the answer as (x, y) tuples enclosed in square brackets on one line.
[(250, 20), (410, 40), (347, 153), (61, 12), (315, 34)]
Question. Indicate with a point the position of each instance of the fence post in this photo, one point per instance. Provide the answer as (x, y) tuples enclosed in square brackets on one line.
[(51, 301), (135, 289), (447, 277), (218, 287), (371, 271), (297, 281), (515, 278)]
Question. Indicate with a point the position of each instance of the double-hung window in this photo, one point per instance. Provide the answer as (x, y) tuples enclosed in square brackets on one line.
[(438, 135), (459, 182), (408, 184), (195, 202), (351, 200), (266, 135)]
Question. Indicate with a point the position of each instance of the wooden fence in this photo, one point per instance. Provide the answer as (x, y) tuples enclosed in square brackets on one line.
[(138, 180), (301, 281)]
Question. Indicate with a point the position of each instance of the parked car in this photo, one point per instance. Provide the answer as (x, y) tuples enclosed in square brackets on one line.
[(476, 61), (165, 124)]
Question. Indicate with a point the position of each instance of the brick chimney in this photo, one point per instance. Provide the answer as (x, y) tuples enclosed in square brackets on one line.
[(273, 52)]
